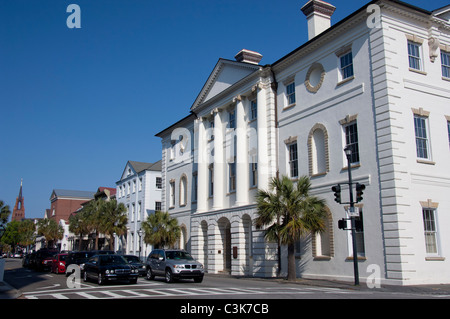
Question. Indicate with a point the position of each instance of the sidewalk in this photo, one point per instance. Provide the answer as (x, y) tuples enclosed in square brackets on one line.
[(8, 292)]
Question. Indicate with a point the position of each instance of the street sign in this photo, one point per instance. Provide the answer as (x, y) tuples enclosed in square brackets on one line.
[(352, 211)]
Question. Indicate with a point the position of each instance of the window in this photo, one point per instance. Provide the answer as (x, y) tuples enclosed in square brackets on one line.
[(293, 160), (359, 234), (133, 211), (211, 180), (445, 62), (253, 110), (159, 182), (172, 193), (254, 172), (290, 93), (134, 186), (422, 144), (346, 65), (140, 184), (139, 211), (158, 206), (232, 176), (414, 56), (448, 129), (232, 119), (128, 188), (429, 225), (194, 186), (351, 139), (211, 128)]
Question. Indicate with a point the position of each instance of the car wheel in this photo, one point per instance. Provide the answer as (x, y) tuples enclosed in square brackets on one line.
[(100, 279), (198, 279), (150, 275), (169, 277), (133, 281)]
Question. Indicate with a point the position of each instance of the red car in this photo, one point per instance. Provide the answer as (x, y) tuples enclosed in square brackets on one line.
[(59, 264)]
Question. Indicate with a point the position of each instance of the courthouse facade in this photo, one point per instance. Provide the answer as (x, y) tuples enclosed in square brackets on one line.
[(377, 81)]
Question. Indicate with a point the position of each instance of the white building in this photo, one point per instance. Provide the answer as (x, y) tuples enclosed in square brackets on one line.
[(139, 189), (377, 81)]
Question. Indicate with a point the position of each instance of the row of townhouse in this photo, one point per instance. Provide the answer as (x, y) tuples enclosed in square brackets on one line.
[(377, 81), (139, 189)]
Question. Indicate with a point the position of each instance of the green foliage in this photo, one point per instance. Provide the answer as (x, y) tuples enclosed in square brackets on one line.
[(288, 212), (161, 230)]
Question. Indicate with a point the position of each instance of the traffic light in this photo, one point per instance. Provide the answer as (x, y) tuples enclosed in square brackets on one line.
[(342, 223), (337, 193), (359, 191)]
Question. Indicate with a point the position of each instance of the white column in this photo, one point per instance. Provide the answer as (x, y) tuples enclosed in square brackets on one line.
[(242, 168), (263, 158), (202, 167), (219, 162)]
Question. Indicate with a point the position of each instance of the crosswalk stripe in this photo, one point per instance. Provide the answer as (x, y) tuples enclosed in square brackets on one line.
[(86, 295)]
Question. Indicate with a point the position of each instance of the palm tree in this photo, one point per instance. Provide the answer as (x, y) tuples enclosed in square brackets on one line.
[(93, 218), (289, 212), (113, 219), (50, 229), (79, 224), (4, 212), (161, 230)]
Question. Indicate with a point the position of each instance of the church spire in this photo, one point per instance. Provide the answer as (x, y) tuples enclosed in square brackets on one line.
[(19, 209)]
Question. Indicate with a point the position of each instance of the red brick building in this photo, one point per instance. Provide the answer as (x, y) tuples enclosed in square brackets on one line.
[(65, 202)]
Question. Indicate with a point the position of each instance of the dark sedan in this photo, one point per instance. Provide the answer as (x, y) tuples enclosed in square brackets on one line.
[(104, 268), (134, 261)]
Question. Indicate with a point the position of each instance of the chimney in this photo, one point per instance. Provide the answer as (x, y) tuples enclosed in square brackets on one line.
[(248, 56), (318, 13)]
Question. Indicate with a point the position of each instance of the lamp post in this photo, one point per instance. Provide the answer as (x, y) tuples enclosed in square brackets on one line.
[(348, 154), (140, 242)]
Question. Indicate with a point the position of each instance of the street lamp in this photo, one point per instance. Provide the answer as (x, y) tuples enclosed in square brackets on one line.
[(140, 242), (348, 154)]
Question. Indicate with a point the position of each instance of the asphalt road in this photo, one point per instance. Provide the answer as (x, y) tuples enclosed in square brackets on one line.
[(46, 285)]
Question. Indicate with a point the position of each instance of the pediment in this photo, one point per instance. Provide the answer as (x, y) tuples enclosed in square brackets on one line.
[(225, 74), (128, 171)]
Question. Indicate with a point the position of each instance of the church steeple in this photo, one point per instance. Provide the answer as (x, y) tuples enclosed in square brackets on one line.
[(19, 209)]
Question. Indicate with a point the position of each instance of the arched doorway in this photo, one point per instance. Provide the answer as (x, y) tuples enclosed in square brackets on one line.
[(225, 244)]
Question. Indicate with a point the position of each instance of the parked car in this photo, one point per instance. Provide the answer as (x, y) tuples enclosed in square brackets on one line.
[(134, 260), (43, 259), (173, 264), (59, 263), (109, 268), (81, 257), (78, 258)]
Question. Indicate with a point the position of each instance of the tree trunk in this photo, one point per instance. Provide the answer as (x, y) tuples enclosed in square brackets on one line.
[(279, 258), (80, 243), (291, 262), (96, 240)]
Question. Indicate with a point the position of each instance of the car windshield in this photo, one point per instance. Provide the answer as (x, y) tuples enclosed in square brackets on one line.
[(112, 260), (132, 259), (178, 255), (62, 257)]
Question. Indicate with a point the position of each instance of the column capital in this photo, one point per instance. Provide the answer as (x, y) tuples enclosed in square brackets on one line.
[(237, 98)]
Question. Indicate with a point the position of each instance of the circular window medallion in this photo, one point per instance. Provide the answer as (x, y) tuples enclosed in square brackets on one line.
[(314, 77)]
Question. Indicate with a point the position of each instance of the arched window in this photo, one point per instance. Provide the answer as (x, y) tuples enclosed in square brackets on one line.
[(318, 150), (183, 190), (323, 243)]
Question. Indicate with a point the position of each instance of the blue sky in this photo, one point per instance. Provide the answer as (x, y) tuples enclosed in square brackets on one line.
[(77, 104)]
